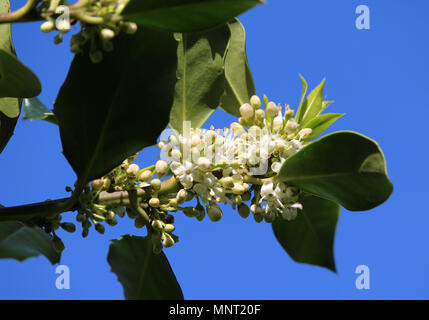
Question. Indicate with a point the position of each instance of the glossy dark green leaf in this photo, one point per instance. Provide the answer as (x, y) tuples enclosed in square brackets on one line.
[(143, 274), (20, 242), (310, 237), (16, 80), (201, 79), (320, 123), (113, 109), (345, 167), (34, 109), (239, 85), (9, 107), (185, 15)]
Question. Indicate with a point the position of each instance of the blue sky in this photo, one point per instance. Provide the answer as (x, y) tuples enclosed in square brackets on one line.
[(378, 77)]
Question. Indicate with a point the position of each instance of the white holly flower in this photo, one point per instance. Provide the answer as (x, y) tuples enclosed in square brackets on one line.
[(184, 172)]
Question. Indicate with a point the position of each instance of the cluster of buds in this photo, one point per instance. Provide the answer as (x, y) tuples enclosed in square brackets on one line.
[(212, 167), (100, 22)]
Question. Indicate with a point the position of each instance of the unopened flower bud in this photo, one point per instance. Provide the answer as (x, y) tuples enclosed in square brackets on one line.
[(238, 188), (271, 110), (291, 126), (85, 233), (176, 154), (237, 128), (133, 171), (100, 228), (155, 184), (146, 175), (247, 111), (139, 222), (107, 34), (80, 217), (227, 182), (181, 196), (289, 113), (242, 122), (260, 114), (167, 240), (119, 211), (106, 183), (157, 225), (161, 167), (130, 27), (243, 210), (305, 133), (214, 212), (97, 184), (169, 228), (47, 26), (69, 227), (154, 202), (112, 222), (255, 102)]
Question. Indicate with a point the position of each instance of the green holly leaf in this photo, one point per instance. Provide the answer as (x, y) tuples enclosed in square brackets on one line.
[(345, 167), (16, 80), (185, 15), (200, 74), (34, 109), (21, 242), (110, 110), (320, 123), (239, 85), (310, 237), (143, 274)]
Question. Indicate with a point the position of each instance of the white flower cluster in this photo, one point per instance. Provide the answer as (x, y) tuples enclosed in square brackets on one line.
[(218, 165)]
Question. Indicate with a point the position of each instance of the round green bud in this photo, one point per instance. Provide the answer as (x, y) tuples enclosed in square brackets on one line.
[(237, 128), (305, 133), (181, 196), (58, 38), (131, 213), (133, 171), (161, 167), (291, 126), (139, 222), (69, 227), (154, 202), (97, 184), (214, 212), (155, 184), (47, 26), (271, 110), (100, 228), (80, 217), (112, 222), (130, 27), (107, 34), (158, 225), (227, 182), (200, 212), (238, 188), (246, 196), (146, 175), (258, 217), (260, 114), (289, 113), (169, 228), (243, 210), (247, 111), (167, 240), (255, 102), (85, 233), (106, 183)]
